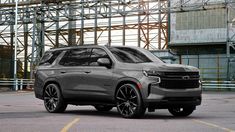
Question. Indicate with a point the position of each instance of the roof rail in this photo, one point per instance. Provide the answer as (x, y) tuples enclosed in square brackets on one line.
[(66, 46)]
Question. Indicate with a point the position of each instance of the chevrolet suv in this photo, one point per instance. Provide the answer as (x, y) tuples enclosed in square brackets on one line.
[(129, 78)]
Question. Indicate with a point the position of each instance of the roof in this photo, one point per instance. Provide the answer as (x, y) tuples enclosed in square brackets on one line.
[(74, 47), (85, 46)]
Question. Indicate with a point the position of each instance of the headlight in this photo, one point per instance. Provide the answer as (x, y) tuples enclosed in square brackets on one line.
[(154, 74), (151, 73)]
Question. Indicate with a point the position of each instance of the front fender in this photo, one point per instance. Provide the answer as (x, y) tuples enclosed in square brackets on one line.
[(138, 84)]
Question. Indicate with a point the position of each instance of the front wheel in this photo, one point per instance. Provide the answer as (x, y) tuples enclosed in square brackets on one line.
[(181, 112), (53, 100), (129, 101)]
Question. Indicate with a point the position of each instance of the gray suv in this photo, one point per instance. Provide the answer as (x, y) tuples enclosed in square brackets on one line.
[(129, 78)]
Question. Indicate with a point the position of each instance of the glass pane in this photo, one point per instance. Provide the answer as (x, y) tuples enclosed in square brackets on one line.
[(49, 57), (128, 55), (96, 54), (76, 57)]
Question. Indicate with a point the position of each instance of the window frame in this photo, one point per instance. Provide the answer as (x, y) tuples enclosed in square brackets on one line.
[(108, 56), (150, 60), (90, 53), (54, 55), (68, 52)]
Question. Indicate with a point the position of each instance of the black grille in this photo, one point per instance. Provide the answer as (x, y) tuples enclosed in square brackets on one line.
[(179, 84), (180, 74), (180, 80)]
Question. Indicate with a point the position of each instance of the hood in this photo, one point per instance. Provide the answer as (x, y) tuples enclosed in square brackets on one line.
[(169, 67), (161, 67)]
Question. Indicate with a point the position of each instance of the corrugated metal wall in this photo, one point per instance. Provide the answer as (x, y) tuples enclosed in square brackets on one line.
[(205, 19), (201, 26)]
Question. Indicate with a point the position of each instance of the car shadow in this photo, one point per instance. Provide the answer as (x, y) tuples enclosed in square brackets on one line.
[(115, 114), (33, 114), (93, 113)]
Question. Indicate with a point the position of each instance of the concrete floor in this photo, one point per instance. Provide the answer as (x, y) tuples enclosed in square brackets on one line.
[(22, 112)]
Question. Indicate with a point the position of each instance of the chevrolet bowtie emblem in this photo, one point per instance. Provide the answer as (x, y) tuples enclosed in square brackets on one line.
[(185, 77)]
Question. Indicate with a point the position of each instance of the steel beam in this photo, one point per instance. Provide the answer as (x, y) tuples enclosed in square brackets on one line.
[(71, 28)]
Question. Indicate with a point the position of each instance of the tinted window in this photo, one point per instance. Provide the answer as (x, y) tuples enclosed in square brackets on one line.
[(76, 57), (96, 54), (129, 55), (49, 57)]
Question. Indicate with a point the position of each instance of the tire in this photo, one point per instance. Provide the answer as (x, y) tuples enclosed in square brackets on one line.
[(129, 101), (53, 99), (182, 112), (103, 107)]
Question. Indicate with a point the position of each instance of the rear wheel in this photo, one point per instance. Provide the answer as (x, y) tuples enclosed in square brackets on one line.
[(181, 112), (103, 107), (129, 101), (53, 100)]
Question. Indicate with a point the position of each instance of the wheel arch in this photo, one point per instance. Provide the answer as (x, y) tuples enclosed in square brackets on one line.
[(51, 81), (130, 81)]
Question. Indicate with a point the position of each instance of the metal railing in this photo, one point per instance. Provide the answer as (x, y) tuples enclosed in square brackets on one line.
[(18, 83), (218, 84)]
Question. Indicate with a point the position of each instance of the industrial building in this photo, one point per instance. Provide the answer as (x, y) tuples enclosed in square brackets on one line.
[(202, 35), (196, 32)]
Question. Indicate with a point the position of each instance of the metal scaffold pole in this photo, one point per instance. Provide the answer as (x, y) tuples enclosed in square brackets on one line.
[(33, 48), (15, 47), (82, 24), (110, 23)]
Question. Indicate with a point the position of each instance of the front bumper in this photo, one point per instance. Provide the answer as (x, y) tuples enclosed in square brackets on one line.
[(158, 97), (171, 102)]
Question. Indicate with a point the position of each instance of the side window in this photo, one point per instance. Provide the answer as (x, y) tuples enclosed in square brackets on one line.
[(49, 57), (76, 57), (96, 54)]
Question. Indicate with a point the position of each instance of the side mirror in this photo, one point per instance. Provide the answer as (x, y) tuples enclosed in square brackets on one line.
[(104, 62)]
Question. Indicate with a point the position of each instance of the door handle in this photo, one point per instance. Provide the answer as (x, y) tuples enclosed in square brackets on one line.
[(62, 71), (87, 72)]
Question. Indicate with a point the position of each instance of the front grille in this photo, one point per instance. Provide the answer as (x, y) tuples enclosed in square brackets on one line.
[(180, 74), (179, 84), (179, 80)]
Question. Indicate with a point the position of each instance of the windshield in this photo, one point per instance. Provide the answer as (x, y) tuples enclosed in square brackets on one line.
[(129, 55)]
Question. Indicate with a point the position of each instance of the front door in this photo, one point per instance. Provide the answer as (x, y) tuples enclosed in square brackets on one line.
[(72, 71), (98, 80)]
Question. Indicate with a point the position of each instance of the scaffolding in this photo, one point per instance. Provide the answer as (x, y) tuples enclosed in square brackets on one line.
[(56, 23)]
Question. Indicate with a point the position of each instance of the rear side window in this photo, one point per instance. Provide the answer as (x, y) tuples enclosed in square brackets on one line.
[(76, 57), (49, 57)]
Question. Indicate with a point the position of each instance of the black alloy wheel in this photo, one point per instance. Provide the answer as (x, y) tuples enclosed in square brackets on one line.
[(53, 100), (182, 112), (129, 101)]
